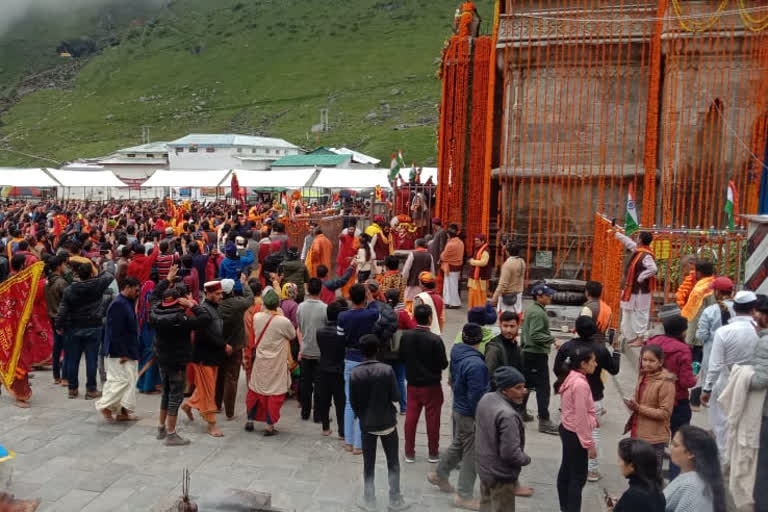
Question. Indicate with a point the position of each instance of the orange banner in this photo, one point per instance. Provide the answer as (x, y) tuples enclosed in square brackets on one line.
[(17, 297)]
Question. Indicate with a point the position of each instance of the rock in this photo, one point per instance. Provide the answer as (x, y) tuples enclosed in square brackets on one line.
[(437, 60), (109, 117), (371, 116), (395, 91), (143, 98), (203, 103)]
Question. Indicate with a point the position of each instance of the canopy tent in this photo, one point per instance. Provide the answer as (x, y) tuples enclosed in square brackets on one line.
[(86, 178), (352, 178), (162, 178), (282, 179), (10, 177)]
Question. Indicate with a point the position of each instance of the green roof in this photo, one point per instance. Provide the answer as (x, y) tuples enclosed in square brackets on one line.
[(311, 160)]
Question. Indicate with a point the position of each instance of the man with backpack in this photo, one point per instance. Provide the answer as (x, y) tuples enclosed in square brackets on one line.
[(424, 356)]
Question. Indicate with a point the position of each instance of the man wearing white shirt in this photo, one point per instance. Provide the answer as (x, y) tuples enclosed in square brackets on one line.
[(637, 290), (734, 343)]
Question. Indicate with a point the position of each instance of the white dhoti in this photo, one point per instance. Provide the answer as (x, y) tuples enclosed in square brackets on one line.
[(120, 389), (451, 289), (635, 314)]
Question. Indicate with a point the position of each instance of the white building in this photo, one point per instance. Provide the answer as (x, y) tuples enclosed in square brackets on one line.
[(227, 151), (135, 164)]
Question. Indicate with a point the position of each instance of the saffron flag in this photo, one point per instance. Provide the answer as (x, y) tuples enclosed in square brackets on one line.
[(630, 222), (17, 298), (731, 204), (394, 168)]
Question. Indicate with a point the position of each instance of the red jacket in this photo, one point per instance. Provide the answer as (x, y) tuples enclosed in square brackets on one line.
[(679, 362), (140, 266)]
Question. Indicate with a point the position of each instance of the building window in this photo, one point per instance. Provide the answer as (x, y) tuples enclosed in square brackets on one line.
[(266, 151), (253, 150), (239, 150), (150, 155), (210, 150), (193, 149), (131, 155), (179, 150)]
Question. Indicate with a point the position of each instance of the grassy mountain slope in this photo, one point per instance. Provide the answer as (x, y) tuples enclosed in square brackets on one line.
[(261, 66)]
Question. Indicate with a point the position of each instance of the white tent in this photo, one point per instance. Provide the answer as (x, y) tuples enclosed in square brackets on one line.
[(287, 179), (352, 178), (162, 178), (86, 178), (10, 177)]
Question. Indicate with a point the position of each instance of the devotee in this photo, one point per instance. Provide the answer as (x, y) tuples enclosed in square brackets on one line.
[(118, 399), (638, 285), (500, 441), (638, 464), (418, 261), (328, 293), (308, 239), (234, 264), (436, 247), (381, 241), (294, 271), (504, 349), (760, 383), (353, 325), (536, 345), (423, 353), (578, 421), (79, 321), (311, 317), (270, 377), (699, 299), (141, 265), (479, 272), (509, 291), (346, 254), (734, 343), (598, 310), (255, 285), (610, 362), (372, 391), (688, 271), (469, 381), (231, 310), (431, 298), (365, 261), (451, 264), (320, 252), (392, 277), (700, 486), (54, 291), (149, 382), (390, 352), (210, 351), (330, 369)]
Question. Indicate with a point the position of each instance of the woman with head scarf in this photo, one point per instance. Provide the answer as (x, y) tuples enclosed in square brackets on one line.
[(288, 303), (270, 378)]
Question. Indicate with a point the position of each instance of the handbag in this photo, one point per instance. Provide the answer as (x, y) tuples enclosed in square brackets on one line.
[(258, 340)]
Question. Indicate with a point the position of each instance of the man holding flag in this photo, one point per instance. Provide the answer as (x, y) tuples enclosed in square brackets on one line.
[(639, 277)]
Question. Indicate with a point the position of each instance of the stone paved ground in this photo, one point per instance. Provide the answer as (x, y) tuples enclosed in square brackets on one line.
[(72, 460)]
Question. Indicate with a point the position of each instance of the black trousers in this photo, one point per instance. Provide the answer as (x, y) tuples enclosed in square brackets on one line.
[(307, 387), (536, 369), (697, 353), (330, 385), (226, 382), (390, 444), (573, 472), (761, 490)]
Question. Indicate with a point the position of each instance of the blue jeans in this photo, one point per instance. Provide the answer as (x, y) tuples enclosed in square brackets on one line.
[(351, 424), (58, 346), (399, 368), (76, 342)]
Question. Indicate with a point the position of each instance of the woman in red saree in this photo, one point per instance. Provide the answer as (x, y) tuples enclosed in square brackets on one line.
[(38, 335)]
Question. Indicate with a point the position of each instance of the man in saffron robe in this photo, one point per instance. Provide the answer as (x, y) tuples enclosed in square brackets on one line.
[(348, 245), (320, 253), (701, 297), (639, 283), (480, 272)]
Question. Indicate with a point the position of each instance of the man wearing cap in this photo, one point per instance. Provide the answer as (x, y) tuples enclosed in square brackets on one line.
[(233, 264), (436, 247), (760, 383), (637, 289), (118, 398), (469, 380), (536, 341), (734, 343), (418, 261), (511, 281), (431, 298), (231, 310), (500, 442), (210, 351), (711, 319), (480, 272), (451, 264)]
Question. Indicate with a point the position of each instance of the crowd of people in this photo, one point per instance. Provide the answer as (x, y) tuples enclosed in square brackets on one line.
[(176, 300)]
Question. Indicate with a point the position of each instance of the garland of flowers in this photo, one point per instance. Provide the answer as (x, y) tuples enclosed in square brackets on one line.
[(698, 26), (751, 23), (607, 257)]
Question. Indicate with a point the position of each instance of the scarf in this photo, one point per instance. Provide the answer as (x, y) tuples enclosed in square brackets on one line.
[(700, 291), (603, 317), (478, 255), (639, 254)]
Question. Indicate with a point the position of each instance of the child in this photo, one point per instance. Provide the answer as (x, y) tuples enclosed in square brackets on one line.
[(653, 401)]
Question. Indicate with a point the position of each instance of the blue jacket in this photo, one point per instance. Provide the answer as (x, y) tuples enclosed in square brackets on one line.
[(232, 268), (469, 378), (121, 337)]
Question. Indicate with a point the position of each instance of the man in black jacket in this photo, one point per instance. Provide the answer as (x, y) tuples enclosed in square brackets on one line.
[(330, 369), (231, 310), (424, 356), (504, 349), (79, 320), (210, 351), (373, 391), (174, 318), (586, 328)]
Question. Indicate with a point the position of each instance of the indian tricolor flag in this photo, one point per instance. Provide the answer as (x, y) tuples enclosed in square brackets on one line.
[(731, 204), (284, 200), (394, 169), (631, 223)]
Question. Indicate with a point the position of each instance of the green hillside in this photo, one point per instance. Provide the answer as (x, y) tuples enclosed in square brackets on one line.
[(261, 66)]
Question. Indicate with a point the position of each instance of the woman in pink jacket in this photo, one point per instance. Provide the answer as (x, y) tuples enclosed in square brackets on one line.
[(577, 422)]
